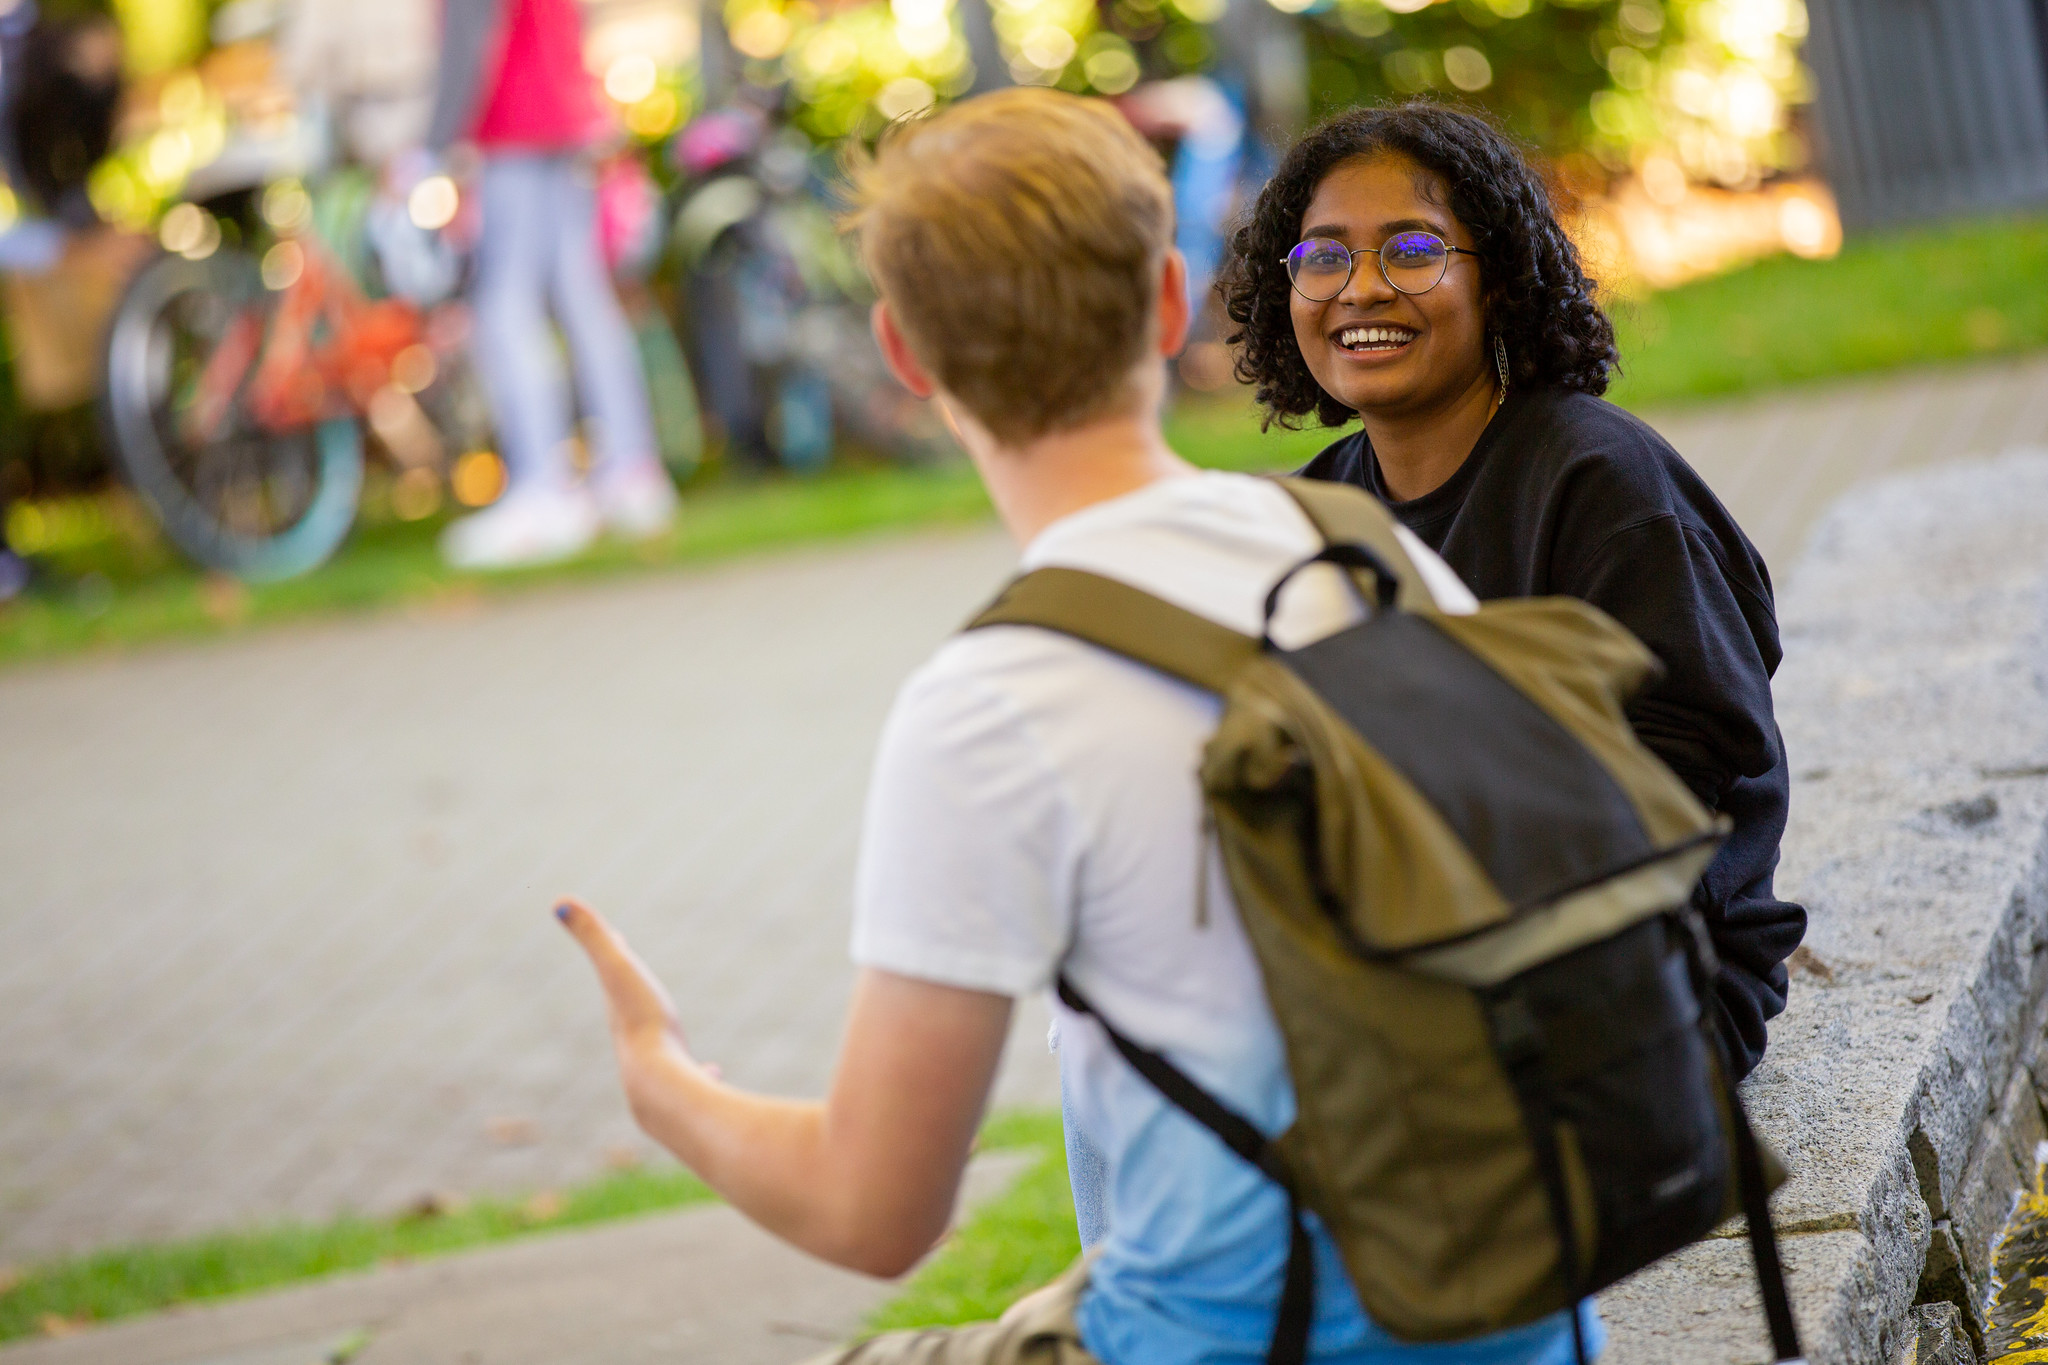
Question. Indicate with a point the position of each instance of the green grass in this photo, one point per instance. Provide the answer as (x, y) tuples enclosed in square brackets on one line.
[(111, 581), (1919, 297), (1014, 1243), (126, 1280), (115, 583), (1009, 1246), (1890, 300)]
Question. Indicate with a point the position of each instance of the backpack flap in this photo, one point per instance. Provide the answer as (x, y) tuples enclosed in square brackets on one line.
[(1456, 775)]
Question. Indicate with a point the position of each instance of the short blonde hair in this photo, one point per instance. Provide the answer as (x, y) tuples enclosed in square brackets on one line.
[(1017, 239)]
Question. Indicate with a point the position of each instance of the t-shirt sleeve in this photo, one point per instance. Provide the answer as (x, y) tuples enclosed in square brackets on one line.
[(967, 856)]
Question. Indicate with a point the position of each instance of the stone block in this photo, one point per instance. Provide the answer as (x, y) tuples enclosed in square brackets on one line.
[(1936, 1336), (1701, 1307), (1901, 1083)]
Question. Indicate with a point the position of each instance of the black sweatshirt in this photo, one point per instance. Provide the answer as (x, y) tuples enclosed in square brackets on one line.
[(1567, 494)]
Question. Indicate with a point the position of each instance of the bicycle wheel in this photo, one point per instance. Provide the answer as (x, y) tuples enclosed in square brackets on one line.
[(259, 504)]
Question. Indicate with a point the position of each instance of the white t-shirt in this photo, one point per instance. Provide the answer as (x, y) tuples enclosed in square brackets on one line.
[(1034, 810)]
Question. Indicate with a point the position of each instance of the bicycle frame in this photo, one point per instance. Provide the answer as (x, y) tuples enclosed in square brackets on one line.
[(325, 352)]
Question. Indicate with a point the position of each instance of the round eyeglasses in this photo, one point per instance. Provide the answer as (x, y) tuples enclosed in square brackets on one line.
[(1411, 262)]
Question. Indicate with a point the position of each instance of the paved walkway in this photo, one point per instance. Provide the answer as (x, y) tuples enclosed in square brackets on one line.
[(276, 911), (1778, 461), (698, 1287)]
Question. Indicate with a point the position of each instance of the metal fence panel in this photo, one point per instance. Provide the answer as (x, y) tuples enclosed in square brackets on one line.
[(1930, 108)]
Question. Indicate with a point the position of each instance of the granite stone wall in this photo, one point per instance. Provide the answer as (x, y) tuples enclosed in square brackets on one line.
[(1905, 1082)]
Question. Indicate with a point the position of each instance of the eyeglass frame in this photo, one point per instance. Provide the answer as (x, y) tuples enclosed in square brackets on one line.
[(1351, 267)]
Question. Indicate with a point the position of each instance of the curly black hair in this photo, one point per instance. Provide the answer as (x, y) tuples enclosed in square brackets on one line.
[(1538, 298)]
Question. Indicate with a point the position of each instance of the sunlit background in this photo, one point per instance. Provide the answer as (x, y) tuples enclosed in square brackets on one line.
[(1686, 139), (1655, 111)]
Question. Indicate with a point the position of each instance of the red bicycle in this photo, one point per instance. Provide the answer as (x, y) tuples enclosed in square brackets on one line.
[(236, 393)]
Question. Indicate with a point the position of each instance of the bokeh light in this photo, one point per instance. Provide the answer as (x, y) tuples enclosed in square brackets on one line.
[(478, 478), (283, 264), (433, 203)]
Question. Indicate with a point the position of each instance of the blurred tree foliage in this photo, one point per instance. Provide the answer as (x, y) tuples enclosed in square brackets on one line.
[(1600, 83), (1535, 63), (1709, 84)]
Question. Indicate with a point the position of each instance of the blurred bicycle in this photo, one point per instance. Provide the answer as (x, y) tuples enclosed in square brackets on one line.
[(238, 385), (777, 307)]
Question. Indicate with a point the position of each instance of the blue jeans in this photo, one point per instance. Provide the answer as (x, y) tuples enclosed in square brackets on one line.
[(538, 258)]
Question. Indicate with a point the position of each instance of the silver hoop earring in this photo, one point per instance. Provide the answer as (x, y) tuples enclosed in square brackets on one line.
[(1500, 368)]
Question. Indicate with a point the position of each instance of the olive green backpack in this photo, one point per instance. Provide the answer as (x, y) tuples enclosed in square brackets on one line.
[(1468, 887)]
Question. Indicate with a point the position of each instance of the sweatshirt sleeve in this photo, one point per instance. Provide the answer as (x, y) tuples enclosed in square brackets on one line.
[(1711, 719), (1710, 716)]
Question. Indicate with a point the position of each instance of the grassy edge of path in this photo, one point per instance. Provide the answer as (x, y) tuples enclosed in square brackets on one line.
[(1927, 296), (55, 1296), (1016, 1241), (105, 600)]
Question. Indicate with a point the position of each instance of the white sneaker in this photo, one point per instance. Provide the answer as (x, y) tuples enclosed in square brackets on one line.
[(638, 503), (526, 526)]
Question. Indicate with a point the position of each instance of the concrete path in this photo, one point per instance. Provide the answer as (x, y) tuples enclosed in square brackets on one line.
[(276, 926), (698, 1287), (277, 916), (1779, 461)]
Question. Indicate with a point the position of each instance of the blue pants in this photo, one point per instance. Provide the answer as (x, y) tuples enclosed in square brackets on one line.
[(539, 258)]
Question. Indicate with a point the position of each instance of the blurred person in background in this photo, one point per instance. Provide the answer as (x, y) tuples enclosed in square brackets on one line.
[(13, 568), (512, 83), (1227, 125), (1404, 267), (60, 89), (15, 21), (366, 68)]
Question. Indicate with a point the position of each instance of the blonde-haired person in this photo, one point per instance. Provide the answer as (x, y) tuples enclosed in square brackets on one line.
[(1035, 811)]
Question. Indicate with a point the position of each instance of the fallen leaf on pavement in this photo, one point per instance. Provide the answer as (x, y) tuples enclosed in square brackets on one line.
[(1804, 959), (435, 1204), (509, 1130)]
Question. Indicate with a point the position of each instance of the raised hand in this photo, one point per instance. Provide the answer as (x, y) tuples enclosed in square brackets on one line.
[(643, 1017)]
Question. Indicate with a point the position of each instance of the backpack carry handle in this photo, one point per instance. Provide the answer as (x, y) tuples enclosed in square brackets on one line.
[(1350, 555)]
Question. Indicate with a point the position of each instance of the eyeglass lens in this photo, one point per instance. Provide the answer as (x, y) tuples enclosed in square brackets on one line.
[(1412, 262)]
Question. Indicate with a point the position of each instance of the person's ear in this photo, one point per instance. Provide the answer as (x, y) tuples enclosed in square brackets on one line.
[(902, 361), (1175, 310)]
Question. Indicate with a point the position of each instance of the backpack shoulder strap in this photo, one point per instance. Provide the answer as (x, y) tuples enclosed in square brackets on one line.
[(1289, 1344), (1345, 515), (1123, 620)]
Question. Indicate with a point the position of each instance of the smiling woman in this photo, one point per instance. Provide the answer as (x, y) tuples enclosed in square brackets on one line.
[(1404, 268)]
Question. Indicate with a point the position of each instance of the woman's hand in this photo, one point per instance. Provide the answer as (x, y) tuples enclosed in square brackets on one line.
[(645, 1030)]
